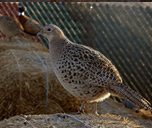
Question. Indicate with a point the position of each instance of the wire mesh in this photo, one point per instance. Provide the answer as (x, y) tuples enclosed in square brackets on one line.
[(121, 31)]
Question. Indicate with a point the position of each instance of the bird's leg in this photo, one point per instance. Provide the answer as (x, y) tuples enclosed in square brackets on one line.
[(94, 108), (82, 107)]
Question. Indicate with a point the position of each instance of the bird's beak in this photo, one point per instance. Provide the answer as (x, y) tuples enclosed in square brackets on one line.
[(40, 33)]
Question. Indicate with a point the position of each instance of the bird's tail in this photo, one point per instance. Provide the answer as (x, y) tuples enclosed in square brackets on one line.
[(126, 92)]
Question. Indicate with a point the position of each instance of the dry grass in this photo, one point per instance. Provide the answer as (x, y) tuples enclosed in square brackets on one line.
[(21, 44), (70, 121), (27, 82)]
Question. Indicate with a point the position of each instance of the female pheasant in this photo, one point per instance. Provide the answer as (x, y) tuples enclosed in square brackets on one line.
[(85, 73)]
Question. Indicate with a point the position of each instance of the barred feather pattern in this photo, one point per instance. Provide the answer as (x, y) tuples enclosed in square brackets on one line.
[(126, 92)]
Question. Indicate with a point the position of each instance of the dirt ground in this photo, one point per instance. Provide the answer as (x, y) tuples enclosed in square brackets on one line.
[(111, 115)]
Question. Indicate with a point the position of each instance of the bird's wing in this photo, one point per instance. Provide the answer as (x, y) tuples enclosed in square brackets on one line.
[(91, 66)]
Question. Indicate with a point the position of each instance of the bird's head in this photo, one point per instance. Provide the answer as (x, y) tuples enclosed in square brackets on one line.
[(51, 32), (21, 10)]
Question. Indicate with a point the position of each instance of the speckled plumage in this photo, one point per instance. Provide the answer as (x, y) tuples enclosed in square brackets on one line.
[(85, 73), (86, 70)]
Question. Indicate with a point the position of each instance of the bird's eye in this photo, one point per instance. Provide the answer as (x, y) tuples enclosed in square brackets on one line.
[(49, 29)]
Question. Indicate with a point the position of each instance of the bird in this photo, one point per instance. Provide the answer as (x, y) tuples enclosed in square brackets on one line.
[(86, 73), (10, 27), (31, 26)]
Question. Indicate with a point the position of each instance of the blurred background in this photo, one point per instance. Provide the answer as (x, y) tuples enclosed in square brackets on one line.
[(121, 31)]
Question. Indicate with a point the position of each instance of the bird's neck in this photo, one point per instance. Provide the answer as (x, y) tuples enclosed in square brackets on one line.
[(56, 48), (57, 39), (58, 43)]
